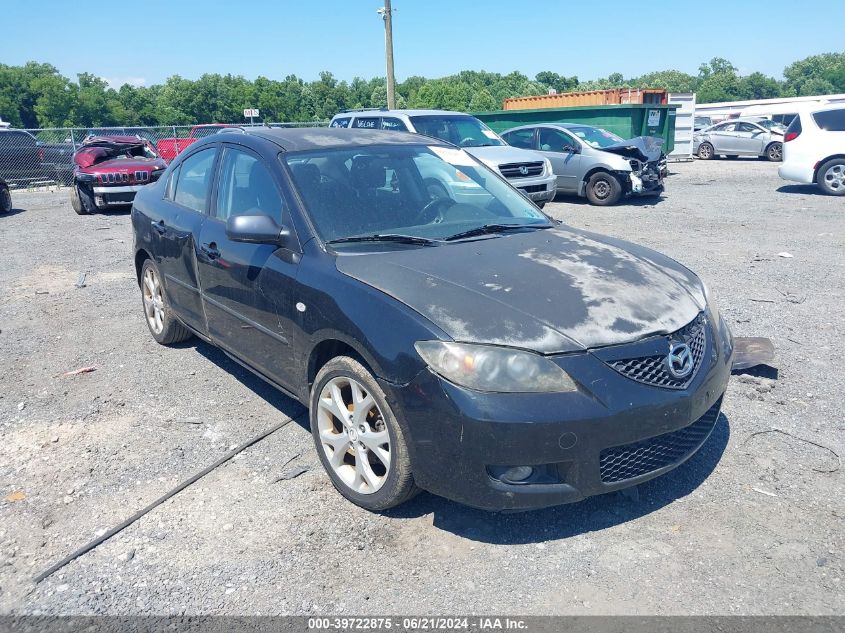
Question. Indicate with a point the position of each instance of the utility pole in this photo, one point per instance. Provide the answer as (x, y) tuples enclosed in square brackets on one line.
[(387, 14)]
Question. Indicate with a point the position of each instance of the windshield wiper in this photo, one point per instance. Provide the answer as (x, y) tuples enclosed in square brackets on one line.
[(493, 228), (388, 237)]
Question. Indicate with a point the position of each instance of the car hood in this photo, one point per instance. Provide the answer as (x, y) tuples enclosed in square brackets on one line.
[(642, 148), (496, 155), (553, 290)]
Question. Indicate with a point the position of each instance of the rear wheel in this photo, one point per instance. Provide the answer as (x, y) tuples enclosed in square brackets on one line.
[(163, 324), (5, 200), (358, 439), (831, 177), (603, 189), (774, 152), (705, 151)]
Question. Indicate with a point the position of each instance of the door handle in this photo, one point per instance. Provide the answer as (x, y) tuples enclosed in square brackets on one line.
[(210, 250), (159, 227)]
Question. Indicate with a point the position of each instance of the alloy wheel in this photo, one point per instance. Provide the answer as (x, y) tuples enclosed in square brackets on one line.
[(834, 178), (153, 301), (353, 435), (704, 151), (776, 152)]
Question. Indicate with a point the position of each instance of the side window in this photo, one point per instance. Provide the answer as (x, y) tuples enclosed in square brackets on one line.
[(369, 123), (344, 122), (389, 123), (747, 127), (170, 189), (831, 120), (194, 180), (246, 188), (523, 139), (727, 127), (556, 141)]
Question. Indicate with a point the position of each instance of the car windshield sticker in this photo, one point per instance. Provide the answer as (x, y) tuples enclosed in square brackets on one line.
[(490, 134), (453, 156)]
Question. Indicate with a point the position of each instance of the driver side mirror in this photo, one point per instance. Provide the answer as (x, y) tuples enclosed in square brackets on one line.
[(256, 229)]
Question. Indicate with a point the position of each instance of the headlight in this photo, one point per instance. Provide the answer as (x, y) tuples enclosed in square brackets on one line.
[(549, 169), (711, 304), (490, 368)]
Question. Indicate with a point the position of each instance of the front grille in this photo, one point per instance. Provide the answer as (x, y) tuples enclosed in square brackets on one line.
[(634, 460), (652, 370), (521, 170), (142, 176), (113, 178), (533, 188)]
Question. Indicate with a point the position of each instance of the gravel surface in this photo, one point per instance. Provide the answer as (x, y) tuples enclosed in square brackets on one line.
[(753, 524)]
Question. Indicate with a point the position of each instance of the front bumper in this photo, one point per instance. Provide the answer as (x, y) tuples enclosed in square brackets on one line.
[(540, 189), (115, 196), (611, 434)]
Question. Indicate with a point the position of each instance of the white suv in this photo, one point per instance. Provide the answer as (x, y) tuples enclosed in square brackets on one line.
[(814, 148), (528, 171)]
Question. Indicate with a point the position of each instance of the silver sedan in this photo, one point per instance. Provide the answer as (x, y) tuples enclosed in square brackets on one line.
[(740, 137)]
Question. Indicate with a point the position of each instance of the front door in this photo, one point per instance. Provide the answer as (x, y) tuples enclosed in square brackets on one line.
[(249, 289), (564, 153), (175, 234), (749, 138)]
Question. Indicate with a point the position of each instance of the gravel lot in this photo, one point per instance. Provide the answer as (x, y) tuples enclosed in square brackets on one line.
[(753, 524)]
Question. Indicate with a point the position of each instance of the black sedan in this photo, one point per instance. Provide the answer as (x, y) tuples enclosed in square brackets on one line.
[(445, 334)]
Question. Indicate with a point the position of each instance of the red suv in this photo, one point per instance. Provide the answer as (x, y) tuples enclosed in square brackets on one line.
[(109, 170)]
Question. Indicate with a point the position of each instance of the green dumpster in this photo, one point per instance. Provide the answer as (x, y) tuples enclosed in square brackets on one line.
[(627, 120)]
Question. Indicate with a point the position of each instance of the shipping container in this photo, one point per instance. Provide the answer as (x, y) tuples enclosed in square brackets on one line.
[(613, 96)]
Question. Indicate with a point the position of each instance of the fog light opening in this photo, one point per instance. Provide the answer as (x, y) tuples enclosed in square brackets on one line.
[(517, 474)]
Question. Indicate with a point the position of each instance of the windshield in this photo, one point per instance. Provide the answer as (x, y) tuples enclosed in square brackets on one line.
[(418, 191), (458, 129), (595, 136)]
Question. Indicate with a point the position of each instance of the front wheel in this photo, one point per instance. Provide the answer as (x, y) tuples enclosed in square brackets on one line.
[(774, 152), (5, 200), (80, 201), (163, 324), (358, 439), (603, 189), (831, 177)]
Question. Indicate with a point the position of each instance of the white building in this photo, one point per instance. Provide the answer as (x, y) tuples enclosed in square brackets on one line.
[(782, 109)]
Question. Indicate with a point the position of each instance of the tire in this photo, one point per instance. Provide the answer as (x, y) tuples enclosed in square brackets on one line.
[(774, 152), (603, 189), (376, 486), (161, 321), (5, 200), (831, 177), (706, 151), (80, 201)]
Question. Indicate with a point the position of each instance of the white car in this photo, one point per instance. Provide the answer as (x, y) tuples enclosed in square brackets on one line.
[(814, 148)]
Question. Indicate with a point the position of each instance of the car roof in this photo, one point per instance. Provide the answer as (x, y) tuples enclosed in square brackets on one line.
[(406, 112), (308, 138), (565, 126)]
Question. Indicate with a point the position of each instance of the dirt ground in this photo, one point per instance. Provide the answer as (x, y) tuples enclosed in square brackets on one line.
[(753, 524)]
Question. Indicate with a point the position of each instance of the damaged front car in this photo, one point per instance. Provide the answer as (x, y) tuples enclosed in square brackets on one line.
[(109, 170), (594, 163), (467, 345)]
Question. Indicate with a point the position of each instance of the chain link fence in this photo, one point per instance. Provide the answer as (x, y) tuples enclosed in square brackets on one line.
[(43, 157)]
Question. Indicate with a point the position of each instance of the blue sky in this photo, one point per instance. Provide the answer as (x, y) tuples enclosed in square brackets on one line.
[(145, 42)]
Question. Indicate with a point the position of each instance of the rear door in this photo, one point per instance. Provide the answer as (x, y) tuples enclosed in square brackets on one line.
[(248, 289), (750, 139), (563, 151), (722, 137), (185, 204)]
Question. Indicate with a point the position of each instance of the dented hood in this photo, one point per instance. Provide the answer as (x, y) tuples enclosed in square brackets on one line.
[(642, 148), (553, 290)]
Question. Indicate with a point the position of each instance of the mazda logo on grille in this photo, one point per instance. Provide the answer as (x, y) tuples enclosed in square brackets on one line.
[(679, 360), (523, 170)]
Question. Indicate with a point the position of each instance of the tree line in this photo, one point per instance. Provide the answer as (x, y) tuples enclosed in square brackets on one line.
[(37, 95)]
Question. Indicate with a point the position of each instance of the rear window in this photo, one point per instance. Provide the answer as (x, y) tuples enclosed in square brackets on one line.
[(831, 120), (340, 122)]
